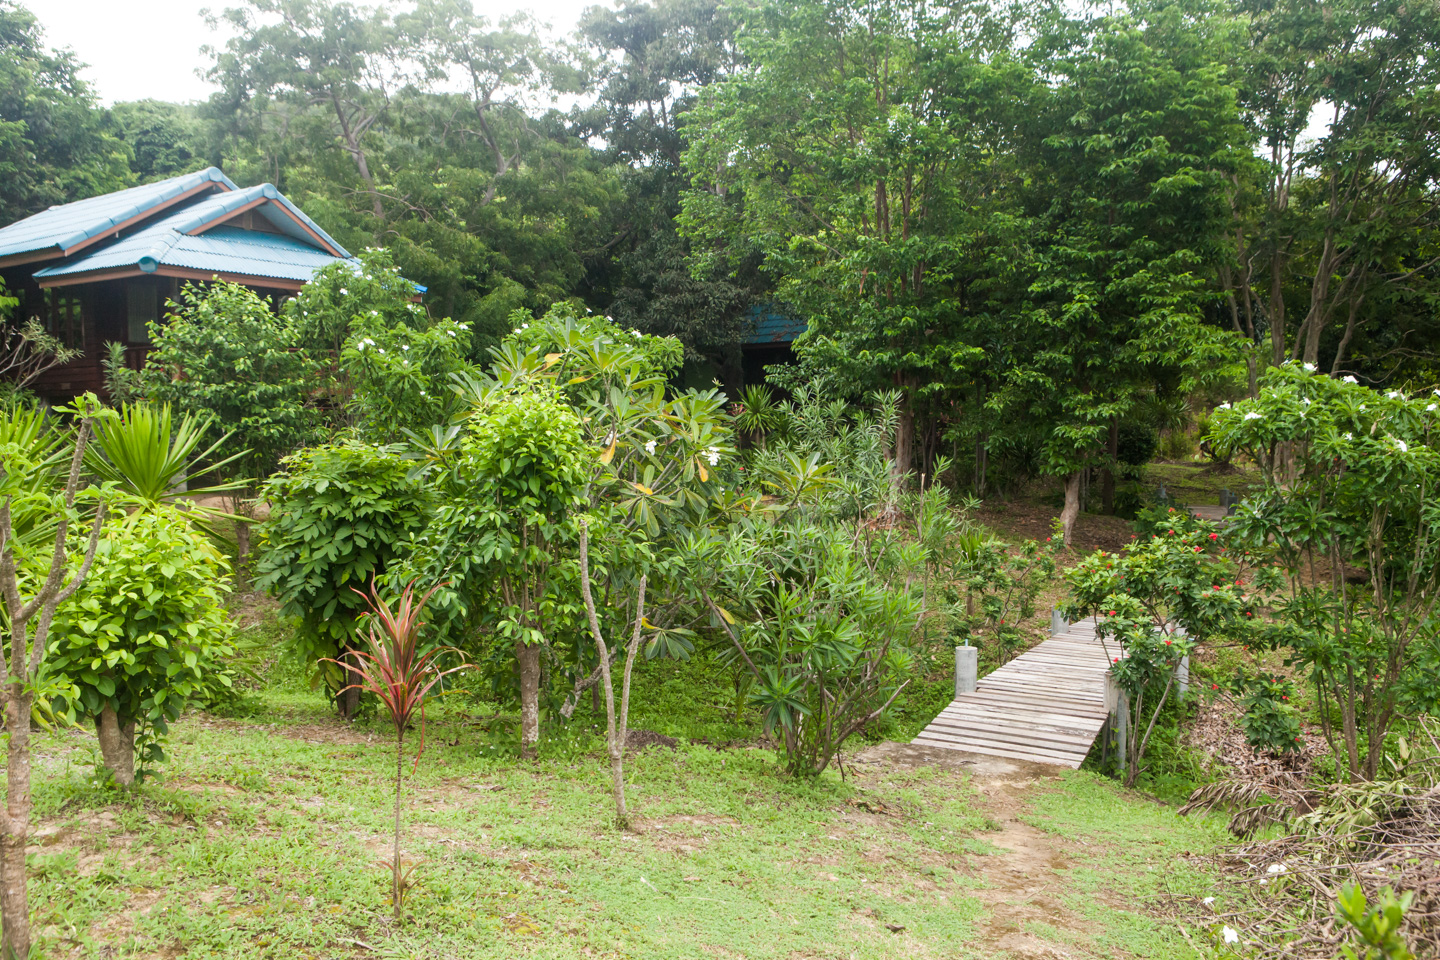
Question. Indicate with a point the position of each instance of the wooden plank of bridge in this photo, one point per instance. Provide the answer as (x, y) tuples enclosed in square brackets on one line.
[(1045, 706)]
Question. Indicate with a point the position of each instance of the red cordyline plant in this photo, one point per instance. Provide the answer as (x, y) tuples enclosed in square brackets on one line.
[(399, 675)]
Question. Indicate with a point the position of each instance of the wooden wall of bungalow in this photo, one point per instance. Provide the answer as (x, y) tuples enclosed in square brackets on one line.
[(88, 316)]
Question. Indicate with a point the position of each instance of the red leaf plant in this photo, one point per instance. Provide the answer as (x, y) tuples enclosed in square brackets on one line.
[(399, 675)]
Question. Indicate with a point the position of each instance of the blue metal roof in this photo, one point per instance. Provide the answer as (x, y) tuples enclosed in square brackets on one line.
[(62, 227), (290, 255), (772, 326)]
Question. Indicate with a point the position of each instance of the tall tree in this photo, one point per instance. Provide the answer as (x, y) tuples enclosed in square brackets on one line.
[(1342, 100), (860, 154), (654, 60), (1132, 147), (338, 58), (56, 145)]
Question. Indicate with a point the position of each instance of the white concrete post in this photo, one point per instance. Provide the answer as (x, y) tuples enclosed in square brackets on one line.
[(1058, 624), (967, 665), (1118, 706), (1182, 678)]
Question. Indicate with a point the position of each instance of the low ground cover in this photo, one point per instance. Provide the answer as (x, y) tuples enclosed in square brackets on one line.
[(265, 835)]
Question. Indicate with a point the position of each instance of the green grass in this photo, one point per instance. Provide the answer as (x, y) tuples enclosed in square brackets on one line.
[(263, 837), (1196, 484)]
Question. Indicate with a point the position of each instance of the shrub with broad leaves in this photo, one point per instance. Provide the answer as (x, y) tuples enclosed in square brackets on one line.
[(146, 635)]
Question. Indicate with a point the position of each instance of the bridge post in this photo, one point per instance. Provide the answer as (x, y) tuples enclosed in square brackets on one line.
[(1118, 706), (967, 666), (1182, 678), (1058, 624)]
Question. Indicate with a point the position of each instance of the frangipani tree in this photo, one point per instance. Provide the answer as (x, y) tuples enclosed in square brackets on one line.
[(39, 506), (1351, 480), (649, 476)]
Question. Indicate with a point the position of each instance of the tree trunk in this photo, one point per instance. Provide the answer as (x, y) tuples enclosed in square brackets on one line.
[(14, 906), (904, 444), (348, 700), (396, 893), (1071, 510), (528, 657), (1112, 447), (242, 542), (117, 745)]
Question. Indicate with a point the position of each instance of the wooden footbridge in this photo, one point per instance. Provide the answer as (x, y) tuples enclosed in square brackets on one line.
[(1046, 706)]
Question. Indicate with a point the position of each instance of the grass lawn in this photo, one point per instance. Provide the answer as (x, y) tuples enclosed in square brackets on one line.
[(264, 836)]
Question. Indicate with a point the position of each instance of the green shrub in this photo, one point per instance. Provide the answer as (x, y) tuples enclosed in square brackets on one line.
[(339, 516), (146, 634), (1269, 721)]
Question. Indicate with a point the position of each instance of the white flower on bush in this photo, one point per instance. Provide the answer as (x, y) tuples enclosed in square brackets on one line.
[(1394, 394), (1224, 406), (1252, 415), (344, 292), (713, 455), (405, 346), (1306, 401), (1430, 408), (1230, 934), (1404, 447), (1309, 368), (650, 448), (1349, 379)]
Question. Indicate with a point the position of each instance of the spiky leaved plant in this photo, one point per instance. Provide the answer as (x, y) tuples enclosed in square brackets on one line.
[(400, 675)]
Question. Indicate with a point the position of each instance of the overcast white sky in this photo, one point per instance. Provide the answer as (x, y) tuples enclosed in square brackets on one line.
[(146, 50)]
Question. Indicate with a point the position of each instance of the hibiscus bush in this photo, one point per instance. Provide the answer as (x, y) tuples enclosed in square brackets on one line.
[(1156, 599)]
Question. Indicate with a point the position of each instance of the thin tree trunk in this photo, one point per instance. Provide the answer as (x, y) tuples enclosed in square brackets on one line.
[(347, 701), (1071, 511), (528, 656), (395, 892), (14, 903), (117, 745), (1112, 447), (242, 541), (904, 440)]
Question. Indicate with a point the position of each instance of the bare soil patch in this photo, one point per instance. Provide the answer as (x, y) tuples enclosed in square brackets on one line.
[(1022, 885)]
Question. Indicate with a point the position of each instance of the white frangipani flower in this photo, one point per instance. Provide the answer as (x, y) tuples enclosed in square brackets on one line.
[(1430, 408), (1230, 934), (1394, 394), (1404, 447), (1252, 415), (1208, 900), (713, 455), (1275, 868), (1224, 406), (650, 448), (344, 292), (1309, 368), (1349, 379)]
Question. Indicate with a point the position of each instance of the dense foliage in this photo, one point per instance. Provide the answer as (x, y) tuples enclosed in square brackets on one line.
[(146, 635)]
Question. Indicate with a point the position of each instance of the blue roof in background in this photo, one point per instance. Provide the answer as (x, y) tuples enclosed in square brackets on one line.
[(291, 255), (772, 326), (64, 226)]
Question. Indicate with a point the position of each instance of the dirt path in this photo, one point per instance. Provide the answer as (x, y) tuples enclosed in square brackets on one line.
[(1022, 885)]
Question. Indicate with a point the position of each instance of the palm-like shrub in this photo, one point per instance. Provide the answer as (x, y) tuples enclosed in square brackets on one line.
[(400, 675), (148, 455)]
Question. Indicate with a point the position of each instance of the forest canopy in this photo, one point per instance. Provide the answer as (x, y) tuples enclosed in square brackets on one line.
[(1070, 220)]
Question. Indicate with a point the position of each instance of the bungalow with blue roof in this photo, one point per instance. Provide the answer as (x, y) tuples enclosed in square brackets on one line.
[(98, 270)]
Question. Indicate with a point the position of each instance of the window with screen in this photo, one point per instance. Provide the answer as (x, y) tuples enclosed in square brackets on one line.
[(143, 305), (64, 319)]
